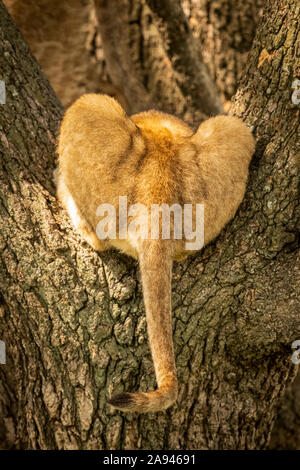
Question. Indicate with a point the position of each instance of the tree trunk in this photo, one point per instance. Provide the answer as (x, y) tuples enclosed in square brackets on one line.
[(225, 30), (73, 320)]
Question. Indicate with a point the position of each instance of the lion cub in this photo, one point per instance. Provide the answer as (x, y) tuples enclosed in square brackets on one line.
[(108, 160)]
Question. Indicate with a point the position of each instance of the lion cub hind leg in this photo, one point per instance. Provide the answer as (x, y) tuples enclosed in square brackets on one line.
[(79, 222)]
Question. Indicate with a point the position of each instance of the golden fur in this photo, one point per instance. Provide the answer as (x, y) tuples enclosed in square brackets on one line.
[(152, 158)]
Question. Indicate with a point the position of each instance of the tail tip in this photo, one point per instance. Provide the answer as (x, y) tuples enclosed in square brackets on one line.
[(123, 401)]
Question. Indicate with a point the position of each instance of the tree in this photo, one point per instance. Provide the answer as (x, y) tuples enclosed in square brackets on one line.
[(57, 32), (72, 319)]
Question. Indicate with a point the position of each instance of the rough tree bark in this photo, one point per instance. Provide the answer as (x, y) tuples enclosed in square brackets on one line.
[(73, 320), (285, 433), (155, 62), (225, 30)]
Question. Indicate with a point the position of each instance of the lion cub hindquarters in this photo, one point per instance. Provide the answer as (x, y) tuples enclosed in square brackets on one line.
[(101, 151)]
